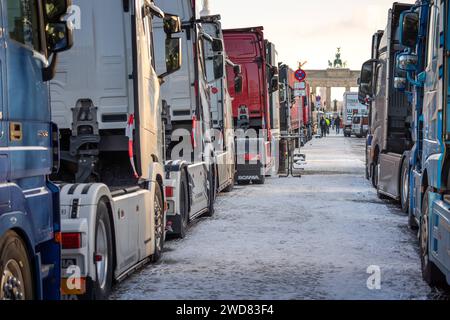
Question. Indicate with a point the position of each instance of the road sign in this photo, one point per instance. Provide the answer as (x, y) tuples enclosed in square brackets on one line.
[(300, 75), (300, 85)]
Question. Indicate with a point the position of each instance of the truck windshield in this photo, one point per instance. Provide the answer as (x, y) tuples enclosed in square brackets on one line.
[(23, 23), (356, 120)]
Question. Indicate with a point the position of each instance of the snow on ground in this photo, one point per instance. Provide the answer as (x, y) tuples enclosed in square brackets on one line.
[(294, 238)]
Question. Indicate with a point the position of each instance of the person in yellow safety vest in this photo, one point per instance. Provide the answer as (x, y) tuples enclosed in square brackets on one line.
[(328, 125)]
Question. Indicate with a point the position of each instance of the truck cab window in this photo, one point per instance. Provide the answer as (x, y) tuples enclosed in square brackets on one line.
[(433, 36), (23, 22)]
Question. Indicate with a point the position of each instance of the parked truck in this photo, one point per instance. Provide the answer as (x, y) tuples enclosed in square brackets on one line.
[(105, 100), (251, 107), (192, 172), (391, 139), (423, 71), (352, 107), (30, 235), (222, 106), (376, 39)]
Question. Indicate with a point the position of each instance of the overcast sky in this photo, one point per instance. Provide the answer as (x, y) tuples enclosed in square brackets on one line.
[(311, 30)]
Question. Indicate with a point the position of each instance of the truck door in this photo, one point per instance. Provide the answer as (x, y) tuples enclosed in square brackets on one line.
[(146, 90), (28, 112), (4, 160)]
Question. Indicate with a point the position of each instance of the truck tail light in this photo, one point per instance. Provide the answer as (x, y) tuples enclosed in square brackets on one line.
[(169, 192), (71, 240), (58, 237), (194, 132), (252, 157)]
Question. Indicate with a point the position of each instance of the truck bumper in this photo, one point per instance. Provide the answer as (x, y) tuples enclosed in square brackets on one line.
[(75, 262)]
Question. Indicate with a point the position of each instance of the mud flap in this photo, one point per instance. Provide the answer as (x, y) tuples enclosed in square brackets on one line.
[(389, 175), (250, 172), (439, 245)]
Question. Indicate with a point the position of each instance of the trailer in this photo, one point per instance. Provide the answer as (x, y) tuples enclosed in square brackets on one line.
[(391, 114), (423, 71), (30, 234), (105, 100), (251, 107), (191, 171)]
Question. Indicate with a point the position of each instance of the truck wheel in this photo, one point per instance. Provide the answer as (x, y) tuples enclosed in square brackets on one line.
[(375, 175), (261, 181), (430, 273), (184, 210), (16, 280), (404, 187), (159, 225), (211, 194), (101, 288)]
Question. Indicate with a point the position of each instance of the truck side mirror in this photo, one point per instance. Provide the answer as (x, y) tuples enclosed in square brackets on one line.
[(283, 97), (274, 84), (217, 45), (409, 29), (237, 69), (55, 9), (238, 84), (173, 55), (366, 78), (172, 24), (219, 66), (407, 62), (400, 83), (59, 37)]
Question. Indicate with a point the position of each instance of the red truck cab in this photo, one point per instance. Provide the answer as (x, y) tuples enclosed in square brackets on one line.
[(246, 47)]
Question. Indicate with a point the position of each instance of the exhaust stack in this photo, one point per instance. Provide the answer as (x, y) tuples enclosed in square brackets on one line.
[(206, 9)]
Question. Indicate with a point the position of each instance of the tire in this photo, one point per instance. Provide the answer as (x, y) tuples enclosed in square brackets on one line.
[(211, 193), (15, 267), (184, 214), (158, 235), (412, 223), (375, 174), (101, 288), (430, 273), (261, 181), (404, 187)]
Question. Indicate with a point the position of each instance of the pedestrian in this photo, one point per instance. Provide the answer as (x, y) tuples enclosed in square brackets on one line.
[(328, 125), (323, 127), (338, 125)]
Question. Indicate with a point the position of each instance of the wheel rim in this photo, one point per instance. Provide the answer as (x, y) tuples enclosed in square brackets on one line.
[(158, 225), (405, 187), (12, 284), (101, 254)]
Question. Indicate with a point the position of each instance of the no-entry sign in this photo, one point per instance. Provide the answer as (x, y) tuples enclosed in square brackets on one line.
[(300, 75)]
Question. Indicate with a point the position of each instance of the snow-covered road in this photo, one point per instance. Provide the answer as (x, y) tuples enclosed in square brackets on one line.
[(294, 238)]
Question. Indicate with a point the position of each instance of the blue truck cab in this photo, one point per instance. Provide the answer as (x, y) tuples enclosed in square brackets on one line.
[(31, 34), (425, 65)]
